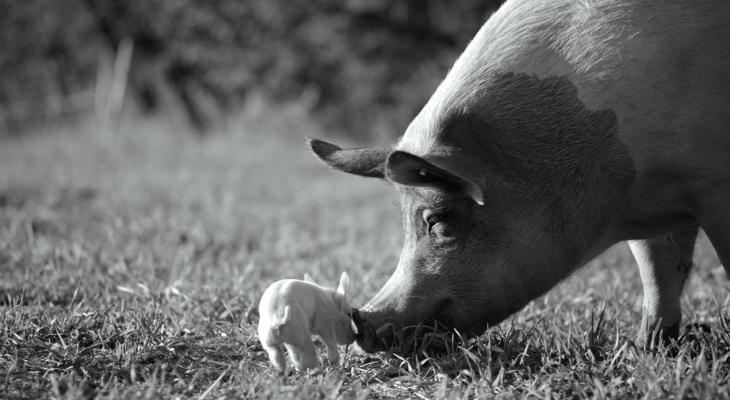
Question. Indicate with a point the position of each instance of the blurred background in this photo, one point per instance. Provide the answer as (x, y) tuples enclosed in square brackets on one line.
[(361, 68)]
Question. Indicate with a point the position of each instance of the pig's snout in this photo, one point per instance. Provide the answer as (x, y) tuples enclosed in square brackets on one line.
[(369, 337), (402, 311), (379, 330)]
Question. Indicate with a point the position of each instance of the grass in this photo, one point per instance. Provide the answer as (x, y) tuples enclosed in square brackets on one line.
[(131, 267)]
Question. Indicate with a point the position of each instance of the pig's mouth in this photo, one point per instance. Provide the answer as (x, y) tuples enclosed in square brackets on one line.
[(431, 334)]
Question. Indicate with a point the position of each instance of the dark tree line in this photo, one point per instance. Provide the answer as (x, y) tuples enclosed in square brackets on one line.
[(355, 61)]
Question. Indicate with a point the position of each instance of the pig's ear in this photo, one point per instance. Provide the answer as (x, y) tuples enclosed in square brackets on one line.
[(411, 170), (344, 283), (363, 161), (308, 278)]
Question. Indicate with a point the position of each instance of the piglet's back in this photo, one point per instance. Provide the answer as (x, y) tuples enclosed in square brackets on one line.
[(302, 298)]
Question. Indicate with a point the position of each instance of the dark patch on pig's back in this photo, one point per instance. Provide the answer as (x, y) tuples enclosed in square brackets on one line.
[(545, 145)]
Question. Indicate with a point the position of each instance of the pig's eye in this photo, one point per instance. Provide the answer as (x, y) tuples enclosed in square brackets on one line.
[(440, 229), (436, 224)]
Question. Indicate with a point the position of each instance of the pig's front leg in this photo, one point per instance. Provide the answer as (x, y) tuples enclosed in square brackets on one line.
[(664, 263)]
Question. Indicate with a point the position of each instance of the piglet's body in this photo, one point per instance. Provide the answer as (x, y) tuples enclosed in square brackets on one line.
[(291, 311)]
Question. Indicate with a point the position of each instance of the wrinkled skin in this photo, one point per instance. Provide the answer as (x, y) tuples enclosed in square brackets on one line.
[(535, 154)]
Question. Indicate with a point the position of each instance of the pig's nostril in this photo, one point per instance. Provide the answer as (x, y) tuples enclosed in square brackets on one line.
[(362, 327), (357, 321), (367, 337)]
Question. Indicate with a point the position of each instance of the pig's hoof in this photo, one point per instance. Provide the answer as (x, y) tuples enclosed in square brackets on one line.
[(318, 370), (670, 341), (694, 334), (657, 338)]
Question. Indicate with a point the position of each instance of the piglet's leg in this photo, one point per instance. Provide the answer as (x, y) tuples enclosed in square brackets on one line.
[(304, 355), (276, 355), (333, 355)]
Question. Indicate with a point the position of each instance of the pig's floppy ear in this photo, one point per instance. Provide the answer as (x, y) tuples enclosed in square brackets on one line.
[(363, 161), (411, 170), (344, 283), (308, 278)]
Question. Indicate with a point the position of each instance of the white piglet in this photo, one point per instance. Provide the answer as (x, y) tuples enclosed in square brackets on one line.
[(291, 311)]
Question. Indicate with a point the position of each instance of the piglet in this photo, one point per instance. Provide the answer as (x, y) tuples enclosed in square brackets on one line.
[(291, 311)]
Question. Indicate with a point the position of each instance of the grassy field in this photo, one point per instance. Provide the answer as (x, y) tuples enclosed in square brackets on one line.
[(131, 267)]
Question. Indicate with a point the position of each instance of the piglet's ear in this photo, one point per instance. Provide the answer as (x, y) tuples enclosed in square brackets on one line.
[(344, 283), (308, 278)]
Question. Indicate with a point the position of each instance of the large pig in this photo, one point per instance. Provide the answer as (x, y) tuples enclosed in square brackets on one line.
[(564, 127)]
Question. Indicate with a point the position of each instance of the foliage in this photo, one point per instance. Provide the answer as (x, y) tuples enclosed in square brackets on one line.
[(131, 267), (353, 62)]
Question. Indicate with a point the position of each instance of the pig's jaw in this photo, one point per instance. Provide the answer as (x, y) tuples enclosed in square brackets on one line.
[(379, 330)]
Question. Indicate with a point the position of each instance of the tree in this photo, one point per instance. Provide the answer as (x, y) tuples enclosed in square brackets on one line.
[(363, 60)]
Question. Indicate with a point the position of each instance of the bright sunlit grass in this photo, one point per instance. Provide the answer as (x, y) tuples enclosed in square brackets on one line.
[(131, 266)]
